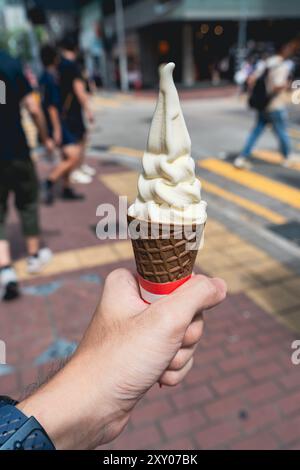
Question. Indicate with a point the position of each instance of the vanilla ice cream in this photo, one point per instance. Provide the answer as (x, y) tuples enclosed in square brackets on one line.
[(168, 190)]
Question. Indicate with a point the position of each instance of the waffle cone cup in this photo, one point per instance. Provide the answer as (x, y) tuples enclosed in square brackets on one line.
[(164, 254)]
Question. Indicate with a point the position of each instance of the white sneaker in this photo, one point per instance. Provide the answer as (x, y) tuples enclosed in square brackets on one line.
[(36, 263), (290, 160), (78, 176), (88, 170), (242, 162)]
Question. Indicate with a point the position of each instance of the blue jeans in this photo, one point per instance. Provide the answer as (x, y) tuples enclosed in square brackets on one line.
[(278, 120)]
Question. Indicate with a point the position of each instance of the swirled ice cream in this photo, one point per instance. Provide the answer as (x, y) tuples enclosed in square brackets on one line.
[(168, 190)]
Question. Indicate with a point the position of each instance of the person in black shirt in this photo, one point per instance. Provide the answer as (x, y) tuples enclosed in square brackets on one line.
[(74, 101), (17, 172), (51, 96)]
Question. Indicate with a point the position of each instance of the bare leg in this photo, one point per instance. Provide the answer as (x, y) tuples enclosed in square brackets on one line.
[(5, 257), (71, 155), (82, 148), (33, 245)]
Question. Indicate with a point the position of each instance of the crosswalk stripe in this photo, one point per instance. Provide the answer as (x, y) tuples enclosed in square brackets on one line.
[(294, 133), (251, 206), (102, 101), (81, 258), (129, 152), (273, 157), (262, 184), (128, 186)]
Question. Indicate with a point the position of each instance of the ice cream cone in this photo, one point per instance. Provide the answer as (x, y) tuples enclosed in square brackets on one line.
[(164, 255), (168, 209)]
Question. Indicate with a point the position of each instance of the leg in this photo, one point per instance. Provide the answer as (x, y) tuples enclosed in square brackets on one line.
[(8, 277), (254, 135), (71, 154), (5, 258), (87, 169), (32, 245), (279, 126), (26, 200)]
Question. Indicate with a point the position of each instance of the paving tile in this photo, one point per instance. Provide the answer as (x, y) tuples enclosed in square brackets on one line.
[(262, 441)]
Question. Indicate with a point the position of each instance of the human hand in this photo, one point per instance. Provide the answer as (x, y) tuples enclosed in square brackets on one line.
[(49, 145), (57, 137), (127, 348), (90, 116)]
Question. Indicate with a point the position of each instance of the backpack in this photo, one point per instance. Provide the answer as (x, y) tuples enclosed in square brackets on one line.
[(259, 97)]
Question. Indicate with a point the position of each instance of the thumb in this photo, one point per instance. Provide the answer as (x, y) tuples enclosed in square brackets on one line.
[(121, 290), (179, 308)]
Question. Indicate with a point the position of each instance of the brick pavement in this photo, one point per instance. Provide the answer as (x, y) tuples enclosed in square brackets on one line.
[(243, 391)]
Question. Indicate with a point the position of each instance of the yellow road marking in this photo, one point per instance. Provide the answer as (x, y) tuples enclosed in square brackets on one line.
[(294, 133), (273, 157), (243, 202), (82, 258), (128, 186), (123, 96), (124, 186), (279, 191), (130, 152), (108, 102)]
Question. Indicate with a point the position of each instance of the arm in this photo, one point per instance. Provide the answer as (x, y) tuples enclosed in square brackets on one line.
[(55, 121), (89, 401), (38, 118), (83, 98)]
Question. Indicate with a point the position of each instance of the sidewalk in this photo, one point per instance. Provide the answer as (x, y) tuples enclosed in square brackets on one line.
[(243, 391)]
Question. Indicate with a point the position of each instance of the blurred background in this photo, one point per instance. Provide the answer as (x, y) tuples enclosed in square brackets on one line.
[(243, 392)]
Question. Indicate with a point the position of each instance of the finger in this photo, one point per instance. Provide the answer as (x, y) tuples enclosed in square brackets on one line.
[(178, 309), (181, 358), (194, 331), (122, 284), (172, 378)]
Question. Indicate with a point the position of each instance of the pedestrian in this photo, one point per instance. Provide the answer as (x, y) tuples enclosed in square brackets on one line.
[(75, 107), (17, 172), (127, 348), (52, 106), (267, 86)]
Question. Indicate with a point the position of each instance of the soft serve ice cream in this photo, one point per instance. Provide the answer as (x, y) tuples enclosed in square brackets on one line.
[(168, 190)]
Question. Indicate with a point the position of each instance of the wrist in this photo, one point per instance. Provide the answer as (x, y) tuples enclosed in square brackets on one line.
[(74, 415)]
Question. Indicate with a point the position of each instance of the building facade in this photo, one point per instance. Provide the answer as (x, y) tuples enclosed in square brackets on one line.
[(201, 36)]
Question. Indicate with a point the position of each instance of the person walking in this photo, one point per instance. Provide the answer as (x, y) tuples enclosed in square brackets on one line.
[(17, 172), (268, 84), (52, 107), (74, 102)]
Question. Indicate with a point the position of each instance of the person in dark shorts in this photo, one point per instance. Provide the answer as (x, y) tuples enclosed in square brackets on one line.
[(52, 107), (17, 172), (74, 101)]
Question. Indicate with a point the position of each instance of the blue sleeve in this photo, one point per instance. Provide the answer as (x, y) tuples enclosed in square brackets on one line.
[(53, 94)]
